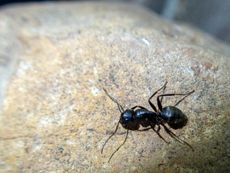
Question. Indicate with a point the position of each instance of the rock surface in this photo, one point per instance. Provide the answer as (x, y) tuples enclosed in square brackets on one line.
[(55, 117)]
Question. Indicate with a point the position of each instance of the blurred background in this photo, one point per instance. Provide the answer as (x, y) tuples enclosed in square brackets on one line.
[(211, 16)]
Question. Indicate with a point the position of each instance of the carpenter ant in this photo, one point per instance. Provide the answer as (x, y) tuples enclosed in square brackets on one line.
[(132, 119)]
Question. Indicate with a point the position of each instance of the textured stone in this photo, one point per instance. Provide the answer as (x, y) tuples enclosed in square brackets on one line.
[(55, 117)]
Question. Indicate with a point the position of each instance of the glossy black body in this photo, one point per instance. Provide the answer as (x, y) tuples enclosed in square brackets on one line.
[(138, 118), (175, 118), (132, 119)]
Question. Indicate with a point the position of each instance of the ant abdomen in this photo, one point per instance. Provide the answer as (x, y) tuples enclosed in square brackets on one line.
[(175, 118)]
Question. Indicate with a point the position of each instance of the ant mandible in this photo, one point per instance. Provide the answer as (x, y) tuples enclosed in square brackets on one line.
[(132, 119)]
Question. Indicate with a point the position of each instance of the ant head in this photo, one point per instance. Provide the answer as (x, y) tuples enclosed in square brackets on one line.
[(127, 120), (127, 116)]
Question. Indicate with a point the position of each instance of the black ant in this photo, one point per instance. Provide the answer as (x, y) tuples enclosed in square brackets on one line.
[(132, 119)]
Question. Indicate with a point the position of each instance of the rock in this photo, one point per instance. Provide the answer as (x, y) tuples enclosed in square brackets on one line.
[(55, 117)]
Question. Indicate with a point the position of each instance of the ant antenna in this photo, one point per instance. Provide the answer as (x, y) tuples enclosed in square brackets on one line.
[(121, 109), (127, 132), (109, 137)]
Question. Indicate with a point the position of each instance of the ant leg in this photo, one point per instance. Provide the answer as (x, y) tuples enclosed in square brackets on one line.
[(138, 107), (110, 137), (165, 95), (157, 132), (119, 146), (121, 109), (152, 106), (174, 136), (141, 130), (184, 97), (149, 100), (158, 128)]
